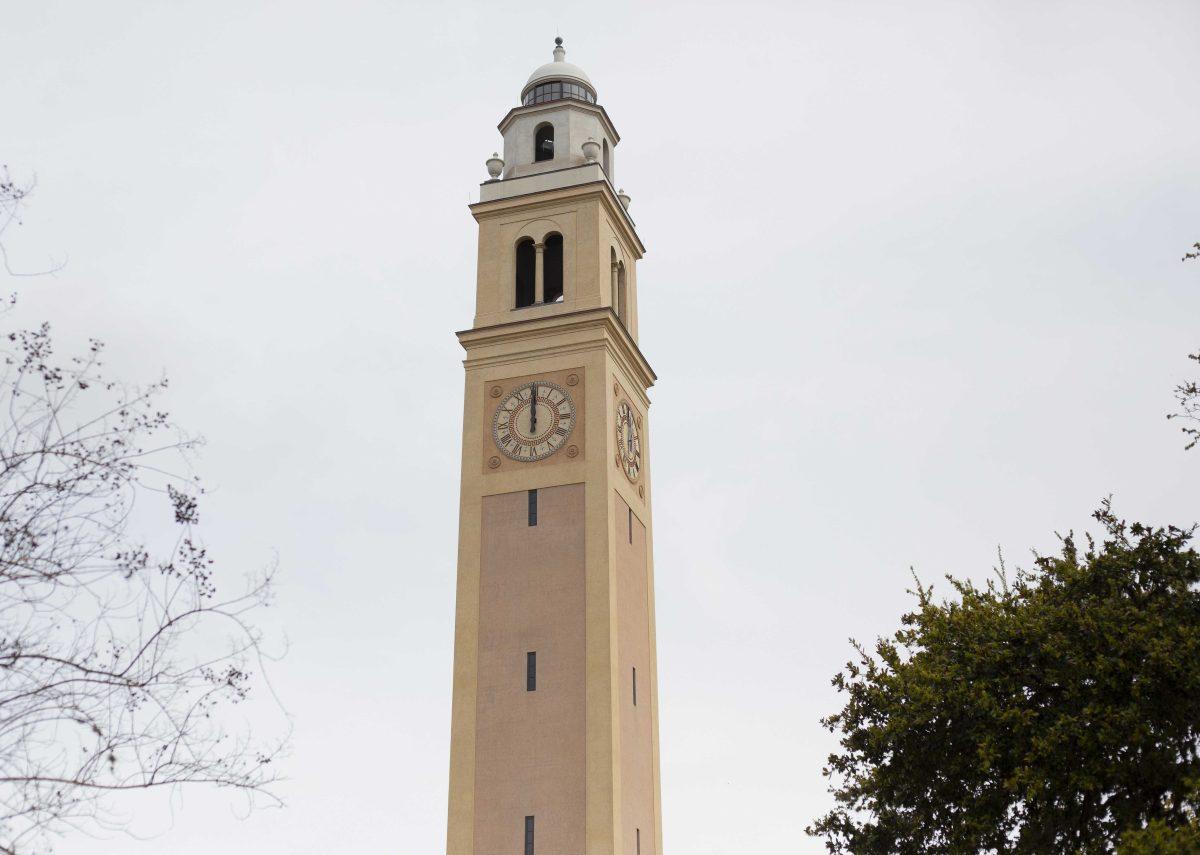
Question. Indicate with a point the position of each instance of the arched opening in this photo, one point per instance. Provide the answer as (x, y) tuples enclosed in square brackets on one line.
[(615, 299), (622, 295), (606, 172), (526, 272), (543, 143), (552, 260)]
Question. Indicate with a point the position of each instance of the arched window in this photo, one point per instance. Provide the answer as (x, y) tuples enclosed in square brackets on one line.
[(606, 172), (616, 300), (622, 295), (526, 272), (543, 143), (552, 259)]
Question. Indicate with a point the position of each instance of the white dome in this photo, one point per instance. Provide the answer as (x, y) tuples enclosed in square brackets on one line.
[(559, 69)]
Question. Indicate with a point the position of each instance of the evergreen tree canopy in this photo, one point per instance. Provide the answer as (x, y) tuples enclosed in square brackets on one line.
[(1056, 711)]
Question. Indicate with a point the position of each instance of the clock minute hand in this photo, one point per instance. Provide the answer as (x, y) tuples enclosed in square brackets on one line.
[(533, 412)]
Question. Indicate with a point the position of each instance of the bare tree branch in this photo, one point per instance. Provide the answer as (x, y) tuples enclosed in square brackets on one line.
[(1188, 393), (12, 199), (120, 663)]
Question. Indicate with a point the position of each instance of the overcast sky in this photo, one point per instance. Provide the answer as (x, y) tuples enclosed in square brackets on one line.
[(919, 262)]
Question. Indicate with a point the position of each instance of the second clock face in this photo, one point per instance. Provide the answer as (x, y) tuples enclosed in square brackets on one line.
[(629, 442), (533, 421)]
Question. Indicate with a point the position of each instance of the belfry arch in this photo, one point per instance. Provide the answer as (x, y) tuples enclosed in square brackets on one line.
[(552, 269), (543, 142), (539, 274), (526, 273), (620, 288)]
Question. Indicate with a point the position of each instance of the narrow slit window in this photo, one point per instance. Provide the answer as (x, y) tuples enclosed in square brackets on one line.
[(630, 525), (533, 508), (531, 671), (528, 835), (639, 841), (635, 687)]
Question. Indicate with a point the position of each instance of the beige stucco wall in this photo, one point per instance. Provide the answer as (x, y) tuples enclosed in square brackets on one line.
[(499, 356), (592, 224), (529, 757), (633, 651), (597, 754)]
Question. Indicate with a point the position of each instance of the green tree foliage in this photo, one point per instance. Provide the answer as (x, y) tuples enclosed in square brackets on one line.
[(1159, 838), (1051, 712)]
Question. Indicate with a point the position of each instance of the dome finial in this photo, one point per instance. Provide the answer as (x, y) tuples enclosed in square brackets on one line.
[(559, 51)]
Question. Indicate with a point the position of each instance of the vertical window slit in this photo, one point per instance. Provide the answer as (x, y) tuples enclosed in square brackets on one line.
[(533, 508), (639, 841), (635, 687), (528, 835), (531, 671), (630, 525)]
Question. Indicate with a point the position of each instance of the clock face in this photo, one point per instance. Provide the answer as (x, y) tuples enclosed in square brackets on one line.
[(629, 441), (534, 421)]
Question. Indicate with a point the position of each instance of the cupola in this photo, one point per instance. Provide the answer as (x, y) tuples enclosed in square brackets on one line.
[(557, 80), (558, 126)]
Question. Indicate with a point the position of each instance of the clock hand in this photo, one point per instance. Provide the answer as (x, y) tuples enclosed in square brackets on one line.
[(533, 412)]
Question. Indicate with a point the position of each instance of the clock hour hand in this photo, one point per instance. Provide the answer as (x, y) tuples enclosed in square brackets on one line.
[(533, 412)]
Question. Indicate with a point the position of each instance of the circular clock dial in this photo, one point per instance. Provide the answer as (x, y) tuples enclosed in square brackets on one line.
[(629, 441), (533, 421)]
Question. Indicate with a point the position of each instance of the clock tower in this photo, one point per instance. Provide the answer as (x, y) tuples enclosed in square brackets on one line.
[(554, 733)]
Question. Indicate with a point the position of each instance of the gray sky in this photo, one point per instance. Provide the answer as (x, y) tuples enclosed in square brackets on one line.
[(918, 264)]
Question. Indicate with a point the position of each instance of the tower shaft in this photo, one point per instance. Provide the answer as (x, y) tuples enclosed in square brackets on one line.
[(554, 736)]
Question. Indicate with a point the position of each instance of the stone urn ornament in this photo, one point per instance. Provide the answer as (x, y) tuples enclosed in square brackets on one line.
[(591, 150), (624, 197), (495, 165)]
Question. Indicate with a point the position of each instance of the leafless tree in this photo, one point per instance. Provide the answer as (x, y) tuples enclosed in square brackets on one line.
[(119, 659), (12, 195)]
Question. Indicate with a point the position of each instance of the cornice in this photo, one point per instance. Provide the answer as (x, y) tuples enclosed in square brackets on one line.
[(603, 320), (601, 189)]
